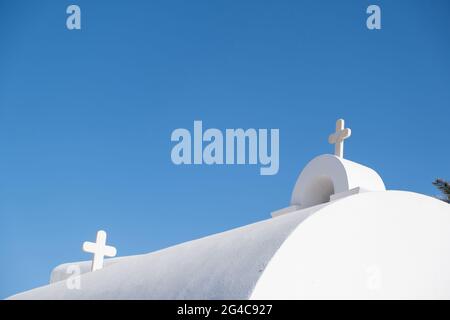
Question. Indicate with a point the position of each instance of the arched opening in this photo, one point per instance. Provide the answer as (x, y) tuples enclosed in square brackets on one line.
[(318, 191)]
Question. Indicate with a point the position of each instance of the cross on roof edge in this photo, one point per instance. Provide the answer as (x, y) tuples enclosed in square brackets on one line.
[(337, 138), (99, 250)]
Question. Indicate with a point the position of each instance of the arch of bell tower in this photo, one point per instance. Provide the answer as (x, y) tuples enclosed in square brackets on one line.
[(329, 177)]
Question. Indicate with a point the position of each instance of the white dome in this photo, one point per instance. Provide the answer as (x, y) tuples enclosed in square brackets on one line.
[(374, 245)]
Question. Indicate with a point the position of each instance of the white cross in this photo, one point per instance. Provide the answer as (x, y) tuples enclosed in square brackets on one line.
[(338, 138), (99, 249)]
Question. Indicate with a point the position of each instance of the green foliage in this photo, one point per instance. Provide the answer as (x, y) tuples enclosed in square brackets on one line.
[(444, 187)]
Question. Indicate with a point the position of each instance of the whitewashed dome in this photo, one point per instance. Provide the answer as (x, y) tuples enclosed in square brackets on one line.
[(373, 245)]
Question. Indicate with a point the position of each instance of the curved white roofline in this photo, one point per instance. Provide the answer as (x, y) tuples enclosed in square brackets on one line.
[(372, 245), (222, 266), (386, 245)]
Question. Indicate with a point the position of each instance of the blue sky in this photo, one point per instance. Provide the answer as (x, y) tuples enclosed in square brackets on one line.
[(86, 116)]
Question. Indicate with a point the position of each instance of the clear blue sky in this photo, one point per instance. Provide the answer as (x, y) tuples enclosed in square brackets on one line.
[(86, 116)]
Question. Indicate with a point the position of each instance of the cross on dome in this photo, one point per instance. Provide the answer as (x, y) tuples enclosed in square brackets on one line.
[(338, 137), (99, 249)]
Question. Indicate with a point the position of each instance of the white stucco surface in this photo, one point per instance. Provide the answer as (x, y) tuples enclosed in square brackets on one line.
[(222, 266), (373, 245)]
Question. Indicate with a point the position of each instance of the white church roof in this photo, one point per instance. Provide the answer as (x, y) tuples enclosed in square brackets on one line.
[(342, 237), (222, 266), (374, 245)]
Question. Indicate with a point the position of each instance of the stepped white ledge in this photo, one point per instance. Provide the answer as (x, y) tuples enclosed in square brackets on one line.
[(344, 194)]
